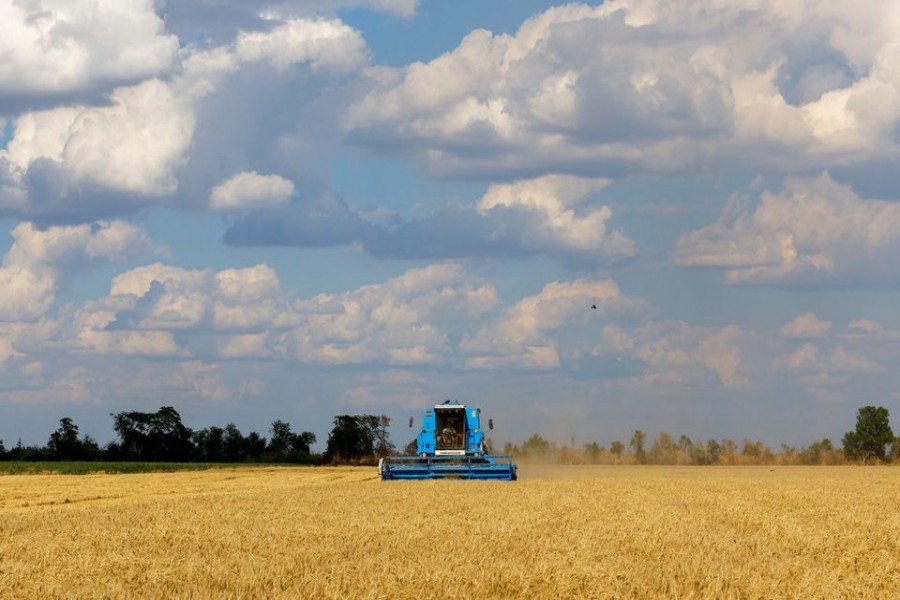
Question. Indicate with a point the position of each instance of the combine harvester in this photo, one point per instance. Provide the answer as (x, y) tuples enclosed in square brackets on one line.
[(451, 445)]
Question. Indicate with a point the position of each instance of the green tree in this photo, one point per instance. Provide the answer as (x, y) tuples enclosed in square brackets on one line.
[(714, 450), (302, 443), (637, 445), (382, 439), (254, 446), (286, 445), (210, 444), (593, 451), (64, 443), (234, 444), (152, 436), (617, 448), (535, 445), (705, 454), (872, 434), (353, 437), (817, 453), (281, 442), (663, 448)]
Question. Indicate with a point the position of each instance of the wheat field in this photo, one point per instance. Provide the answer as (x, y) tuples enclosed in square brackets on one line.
[(571, 532)]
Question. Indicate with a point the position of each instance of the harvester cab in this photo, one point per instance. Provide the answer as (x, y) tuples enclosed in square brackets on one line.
[(450, 444)]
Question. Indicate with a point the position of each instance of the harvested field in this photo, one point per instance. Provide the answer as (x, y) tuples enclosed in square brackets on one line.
[(578, 532)]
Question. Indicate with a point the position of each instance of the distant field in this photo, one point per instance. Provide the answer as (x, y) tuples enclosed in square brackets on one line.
[(578, 532), (84, 467)]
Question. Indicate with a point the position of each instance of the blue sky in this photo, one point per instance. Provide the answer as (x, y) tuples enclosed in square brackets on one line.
[(297, 209)]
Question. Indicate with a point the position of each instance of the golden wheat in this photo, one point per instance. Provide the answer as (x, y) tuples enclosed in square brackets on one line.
[(577, 532)]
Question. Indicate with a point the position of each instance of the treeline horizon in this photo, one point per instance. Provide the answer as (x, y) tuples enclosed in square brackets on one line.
[(872, 441), (363, 439), (161, 436)]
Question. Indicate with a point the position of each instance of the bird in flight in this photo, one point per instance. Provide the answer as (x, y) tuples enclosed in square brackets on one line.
[(593, 307)]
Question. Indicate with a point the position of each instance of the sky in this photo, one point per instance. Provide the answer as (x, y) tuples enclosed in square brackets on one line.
[(584, 218)]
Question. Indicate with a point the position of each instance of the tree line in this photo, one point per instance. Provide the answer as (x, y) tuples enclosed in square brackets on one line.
[(161, 436), (871, 441)]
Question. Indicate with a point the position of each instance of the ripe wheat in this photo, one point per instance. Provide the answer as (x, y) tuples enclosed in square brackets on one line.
[(576, 532)]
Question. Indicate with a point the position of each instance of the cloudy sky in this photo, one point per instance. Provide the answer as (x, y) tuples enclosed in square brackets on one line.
[(295, 209)]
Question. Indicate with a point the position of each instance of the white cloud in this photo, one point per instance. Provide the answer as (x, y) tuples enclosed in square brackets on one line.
[(250, 190), (161, 297), (805, 326), (815, 231), (133, 145), (848, 361), (130, 343), (86, 162), (641, 85), (865, 330), (8, 334), (244, 346), (139, 281), (322, 43), (398, 322), (675, 353), (229, 314), (522, 338), (39, 261), (249, 284), (566, 222), (243, 313), (807, 359), (220, 21), (719, 352), (554, 215), (403, 8), (26, 294), (59, 46)]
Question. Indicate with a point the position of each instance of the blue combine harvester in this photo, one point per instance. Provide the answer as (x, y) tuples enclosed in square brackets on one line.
[(451, 445)]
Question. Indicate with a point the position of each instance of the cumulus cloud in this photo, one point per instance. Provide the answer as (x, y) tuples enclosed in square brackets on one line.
[(521, 337), (554, 215), (643, 85), (59, 158), (557, 202), (808, 359), (85, 162), (250, 190), (398, 322), (676, 353), (219, 21), (8, 334), (39, 261), (244, 314), (53, 46), (805, 326), (322, 43), (162, 310), (815, 231), (833, 360), (869, 331)]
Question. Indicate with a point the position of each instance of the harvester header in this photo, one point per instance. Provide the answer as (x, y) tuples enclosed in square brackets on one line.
[(450, 444)]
